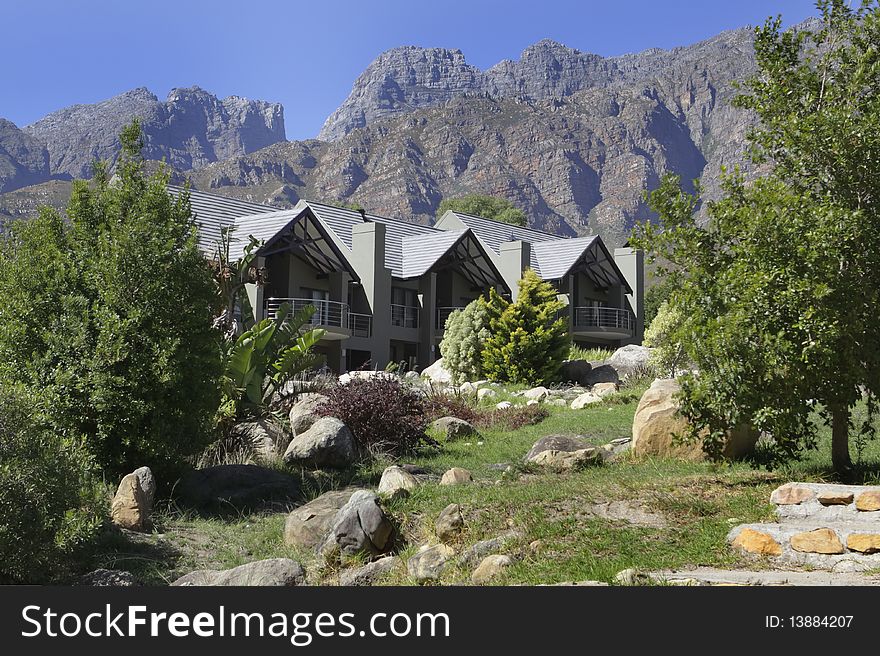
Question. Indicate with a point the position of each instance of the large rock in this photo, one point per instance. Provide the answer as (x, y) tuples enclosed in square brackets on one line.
[(575, 371), (397, 482), (449, 523), (490, 567), (328, 443), (657, 421), (304, 412), (537, 393), (437, 374), (309, 524), (360, 527), (236, 485), (456, 476), (266, 436), (370, 573), (564, 452), (600, 373), (132, 504), (454, 428), (630, 359), (429, 563), (276, 572), (588, 398)]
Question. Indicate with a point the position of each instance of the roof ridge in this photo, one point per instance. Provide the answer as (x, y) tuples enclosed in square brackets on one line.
[(510, 225)]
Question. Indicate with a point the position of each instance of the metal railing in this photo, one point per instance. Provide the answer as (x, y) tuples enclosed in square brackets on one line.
[(405, 316), (604, 317), (360, 325), (442, 315), (327, 313)]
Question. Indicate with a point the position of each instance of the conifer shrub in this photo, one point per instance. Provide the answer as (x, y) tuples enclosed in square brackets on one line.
[(528, 340), (466, 333)]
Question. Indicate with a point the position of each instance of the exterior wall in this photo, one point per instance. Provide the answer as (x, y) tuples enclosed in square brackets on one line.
[(632, 264)]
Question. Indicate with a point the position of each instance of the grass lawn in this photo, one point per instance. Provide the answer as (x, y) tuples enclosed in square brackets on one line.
[(555, 532)]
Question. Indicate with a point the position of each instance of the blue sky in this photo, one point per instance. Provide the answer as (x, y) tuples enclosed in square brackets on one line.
[(306, 55)]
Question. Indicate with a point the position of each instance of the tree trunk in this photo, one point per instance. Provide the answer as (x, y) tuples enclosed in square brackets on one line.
[(840, 459)]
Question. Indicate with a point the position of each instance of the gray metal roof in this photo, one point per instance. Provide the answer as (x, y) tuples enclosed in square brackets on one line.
[(421, 252), (214, 212), (557, 257)]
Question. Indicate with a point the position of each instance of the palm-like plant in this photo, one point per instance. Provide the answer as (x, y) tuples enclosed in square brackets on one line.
[(264, 358)]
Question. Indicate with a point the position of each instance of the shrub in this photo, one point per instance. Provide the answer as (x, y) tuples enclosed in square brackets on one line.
[(467, 332), (109, 315), (581, 353), (663, 336), (528, 340), (383, 415), (445, 405), (49, 501)]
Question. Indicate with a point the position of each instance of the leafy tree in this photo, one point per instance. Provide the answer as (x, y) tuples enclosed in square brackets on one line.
[(528, 340), (489, 207), (465, 335), (108, 317), (50, 499), (780, 292), (655, 296)]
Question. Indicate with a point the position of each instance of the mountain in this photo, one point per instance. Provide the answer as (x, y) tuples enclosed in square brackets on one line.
[(23, 160), (572, 138), (190, 129)]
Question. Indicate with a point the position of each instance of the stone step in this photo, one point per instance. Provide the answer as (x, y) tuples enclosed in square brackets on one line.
[(709, 576), (826, 502), (843, 546)]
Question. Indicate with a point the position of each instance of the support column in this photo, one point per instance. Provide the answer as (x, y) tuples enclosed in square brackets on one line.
[(427, 332), (632, 264), (572, 303), (368, 259), (255, 294), (515, 258)]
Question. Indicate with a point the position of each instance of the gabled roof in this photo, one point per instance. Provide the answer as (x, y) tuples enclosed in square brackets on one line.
[(214, 212)]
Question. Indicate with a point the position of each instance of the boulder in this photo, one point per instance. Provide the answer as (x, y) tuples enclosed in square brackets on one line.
[(657, 421), (503, 405), (456, 476), (148, 484), (600, 373), (489, 568), (575, 371), (132, 504), (370, 573), (564, 460), (304, 412), (437, 374), (537, 393), (328, 443), (603, 389), (429, 562), (468, 388), (584, 400), (449, 523), (630, 359), (309, 524), (559, 442), (106, 578), (265, 435), (486, 393), (236, 485), (454, 428), (276, 572), (479, 550), (360, 527), (397, 482)]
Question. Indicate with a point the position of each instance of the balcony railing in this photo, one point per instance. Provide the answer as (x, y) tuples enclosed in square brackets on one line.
[(442, 315), (605, 317), (405, 316), (327, 313), (360, 325)]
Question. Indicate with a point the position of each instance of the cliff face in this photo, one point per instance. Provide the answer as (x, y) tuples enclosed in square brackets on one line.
[(191, 129), (23, 159)]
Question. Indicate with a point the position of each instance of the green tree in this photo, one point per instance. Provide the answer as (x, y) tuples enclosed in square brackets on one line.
[(528, 340), (465, 336), (109, 317), (489, 207), (663, 336), (780, 292)]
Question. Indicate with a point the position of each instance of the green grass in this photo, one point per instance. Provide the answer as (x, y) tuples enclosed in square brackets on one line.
[(556, 538)]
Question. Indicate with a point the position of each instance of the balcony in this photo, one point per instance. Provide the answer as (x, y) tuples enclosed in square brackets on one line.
[(360, 325), (604, 322), (405, 316), (442, 315), (332, 316)]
